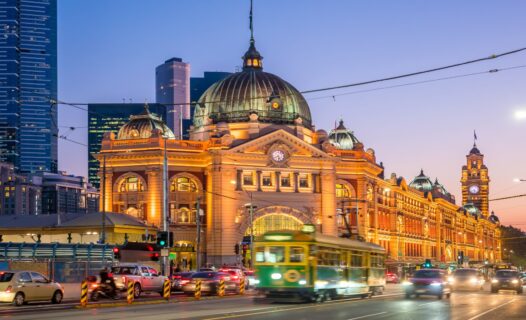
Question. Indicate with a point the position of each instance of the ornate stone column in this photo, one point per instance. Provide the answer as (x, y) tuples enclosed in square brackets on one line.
[(154, 195), (328, 203)]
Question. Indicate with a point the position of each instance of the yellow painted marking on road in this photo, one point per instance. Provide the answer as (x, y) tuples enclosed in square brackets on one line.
[(369, 315), (490, 310), (274, 310)]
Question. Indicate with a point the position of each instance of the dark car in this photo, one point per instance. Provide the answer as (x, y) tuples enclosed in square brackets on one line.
[(179, 279), (209, 283), (467, 278), (391, 277), (428, 282), (506, 280)]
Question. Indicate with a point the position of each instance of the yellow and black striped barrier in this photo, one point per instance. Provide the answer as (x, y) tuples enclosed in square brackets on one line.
[(166, 289), (84, 293), (197, 289), (221, 288), (130, 292), (242, 286)]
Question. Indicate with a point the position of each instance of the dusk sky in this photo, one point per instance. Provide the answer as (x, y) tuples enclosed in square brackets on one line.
[(108, 50)]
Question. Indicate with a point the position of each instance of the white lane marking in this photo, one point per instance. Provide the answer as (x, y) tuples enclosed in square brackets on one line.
[(490, 310), (423, 304), (369, 315)]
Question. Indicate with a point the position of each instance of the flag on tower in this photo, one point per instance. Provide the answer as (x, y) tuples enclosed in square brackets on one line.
[(475, 135)]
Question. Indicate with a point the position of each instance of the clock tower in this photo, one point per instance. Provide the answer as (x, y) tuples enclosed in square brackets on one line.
[(475, 181)]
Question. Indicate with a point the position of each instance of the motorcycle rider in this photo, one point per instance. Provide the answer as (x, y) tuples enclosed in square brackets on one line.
[(107, 280)]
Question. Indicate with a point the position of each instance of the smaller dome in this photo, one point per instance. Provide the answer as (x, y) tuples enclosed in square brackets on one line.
[(440, 188), (342, 138), (472, 209), (421, 182), (493, 218), (141, 126)]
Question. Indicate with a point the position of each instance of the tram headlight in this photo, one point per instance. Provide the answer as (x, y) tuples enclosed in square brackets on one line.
[(494, 281), (514, 281), (407, 283), (276, 276), (473, 280), (320, 283), (302, 282)]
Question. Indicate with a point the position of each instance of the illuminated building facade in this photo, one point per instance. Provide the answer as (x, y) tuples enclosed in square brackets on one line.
[(110, 117), (254, 149)]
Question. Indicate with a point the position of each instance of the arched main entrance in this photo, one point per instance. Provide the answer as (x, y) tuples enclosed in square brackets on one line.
[(275, 221)]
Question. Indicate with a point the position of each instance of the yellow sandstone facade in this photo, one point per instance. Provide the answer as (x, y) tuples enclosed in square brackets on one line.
[(253, 149)]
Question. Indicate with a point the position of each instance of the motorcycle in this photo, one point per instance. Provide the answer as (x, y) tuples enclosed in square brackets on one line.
[(103, 290)]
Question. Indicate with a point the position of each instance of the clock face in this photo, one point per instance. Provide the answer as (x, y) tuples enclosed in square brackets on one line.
[(474, 189), (278, 155)]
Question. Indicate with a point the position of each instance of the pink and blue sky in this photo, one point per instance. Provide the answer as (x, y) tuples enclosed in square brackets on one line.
[(108, 50)]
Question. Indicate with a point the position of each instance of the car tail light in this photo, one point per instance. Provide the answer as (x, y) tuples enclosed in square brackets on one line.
[(235, 277), (184, 281), (8, 289), (123, 279), (94, 285), (176, 277)]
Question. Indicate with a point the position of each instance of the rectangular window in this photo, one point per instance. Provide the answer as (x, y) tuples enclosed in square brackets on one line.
[(271, 254), (304, 182), (285, 180), (267, 181), (297, 254), (248, 179)]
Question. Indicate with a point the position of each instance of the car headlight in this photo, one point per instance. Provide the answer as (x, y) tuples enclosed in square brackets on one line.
[(302, 282), (320, 283), (276, 276), (515, 281), (436, 284), (494, 281), (407, 283), (473, 280), (256, 281)]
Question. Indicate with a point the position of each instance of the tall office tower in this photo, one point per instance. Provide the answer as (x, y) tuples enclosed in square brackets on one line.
[(28, 84), (110, 117), (172, 88)]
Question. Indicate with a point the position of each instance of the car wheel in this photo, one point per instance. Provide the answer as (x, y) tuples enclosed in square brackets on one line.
[(19, 300), (94, 296), (440, 296), (408, 296), (448, 295), (494, 290), (57, 297), (136, 291), (519, 291)]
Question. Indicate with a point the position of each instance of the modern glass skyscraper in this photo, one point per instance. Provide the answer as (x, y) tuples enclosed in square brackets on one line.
[(28, 84), (172, 88), (110, 117)]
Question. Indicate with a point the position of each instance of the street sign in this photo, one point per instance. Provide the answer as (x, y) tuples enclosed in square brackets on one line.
[(165, 252)]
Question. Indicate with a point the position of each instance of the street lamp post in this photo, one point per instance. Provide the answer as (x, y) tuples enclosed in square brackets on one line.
[(251, 208)]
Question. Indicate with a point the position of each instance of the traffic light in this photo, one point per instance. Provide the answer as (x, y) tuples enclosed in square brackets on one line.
[(116, 253), (236, 248), (162, 239), (427, 264), (460, 257)]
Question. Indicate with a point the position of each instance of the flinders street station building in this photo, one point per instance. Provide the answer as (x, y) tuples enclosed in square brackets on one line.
[(254, 155)]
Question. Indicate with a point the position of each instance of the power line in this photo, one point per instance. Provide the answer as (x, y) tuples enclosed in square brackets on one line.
[(510, 197)]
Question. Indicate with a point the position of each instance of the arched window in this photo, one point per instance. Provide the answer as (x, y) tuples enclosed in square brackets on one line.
[(342, 191), (131, 184), (273, 222), (183, 184)]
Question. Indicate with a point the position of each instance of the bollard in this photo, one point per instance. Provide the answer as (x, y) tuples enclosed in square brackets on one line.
[(242, 286), (166, 289), (197, 289), (130, 292), (221, 288), (84, 293)]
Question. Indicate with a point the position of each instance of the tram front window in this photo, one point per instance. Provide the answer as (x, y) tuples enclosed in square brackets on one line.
[(297, 254), (272, 254)]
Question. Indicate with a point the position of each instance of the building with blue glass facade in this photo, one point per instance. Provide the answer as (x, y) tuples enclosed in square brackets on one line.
[(28, 84)]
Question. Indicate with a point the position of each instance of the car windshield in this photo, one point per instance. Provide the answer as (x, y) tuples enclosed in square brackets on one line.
[(204, 275), (466, 272), (506, 274), (427, 274), (6, 276)]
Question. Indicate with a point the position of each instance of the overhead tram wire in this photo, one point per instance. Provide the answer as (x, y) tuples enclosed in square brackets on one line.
[(491, 57)]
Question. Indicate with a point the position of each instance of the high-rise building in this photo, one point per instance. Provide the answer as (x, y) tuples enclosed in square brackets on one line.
[(109, 117), (28, 84), (172, 88), (19, 194)]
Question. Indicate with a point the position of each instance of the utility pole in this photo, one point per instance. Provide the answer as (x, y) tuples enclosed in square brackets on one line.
[(198, 225), (103, 231), (165, 208), (251, 211)]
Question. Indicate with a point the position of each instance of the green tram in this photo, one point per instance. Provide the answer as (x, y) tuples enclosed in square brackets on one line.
[(300, 265)]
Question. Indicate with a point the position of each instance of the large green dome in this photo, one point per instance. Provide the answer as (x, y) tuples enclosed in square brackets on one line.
[(236, 97)]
